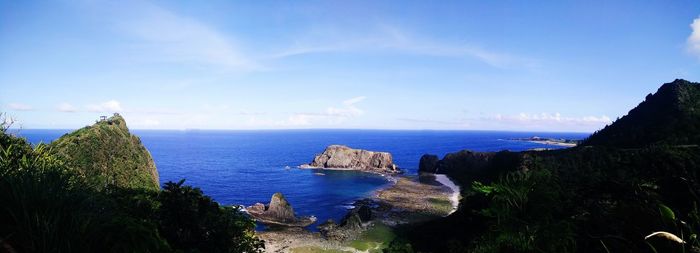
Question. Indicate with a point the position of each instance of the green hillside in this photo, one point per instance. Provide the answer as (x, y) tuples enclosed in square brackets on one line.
[(638, 176), (48, 206), (671, 116), (109, 153)]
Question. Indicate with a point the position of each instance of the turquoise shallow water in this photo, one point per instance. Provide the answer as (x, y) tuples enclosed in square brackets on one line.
[(244, 167)]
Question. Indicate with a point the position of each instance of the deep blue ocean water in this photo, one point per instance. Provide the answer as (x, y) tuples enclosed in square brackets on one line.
[(245, 167)]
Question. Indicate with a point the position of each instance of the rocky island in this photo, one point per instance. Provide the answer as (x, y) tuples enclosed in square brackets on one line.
[(339, 157), (278, 212)]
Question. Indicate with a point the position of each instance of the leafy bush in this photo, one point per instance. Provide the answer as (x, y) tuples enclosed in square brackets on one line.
[(49, 207)]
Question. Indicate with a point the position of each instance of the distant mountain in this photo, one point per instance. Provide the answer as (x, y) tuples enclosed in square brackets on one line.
[(107, 151), (671, 116)]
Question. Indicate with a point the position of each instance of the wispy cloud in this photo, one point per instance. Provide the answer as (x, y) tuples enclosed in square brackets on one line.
[(517, 122), (20, 107), (163, 35), (108, 106), (456, 123), (331, 116), (66, 107), (550, 118), (391, 38), (694, 39), (545, 121)]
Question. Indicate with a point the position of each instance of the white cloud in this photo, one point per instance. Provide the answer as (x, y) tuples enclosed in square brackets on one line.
[(517, 122), (544, 121), (348, 110), (20, 107), (163, 35), (108, 106), (66, 107), (298, 120), (694, 39), (392, 38), (331, 116), (551, 118), (355, 100)]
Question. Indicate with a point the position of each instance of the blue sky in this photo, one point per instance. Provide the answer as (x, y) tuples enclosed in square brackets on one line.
[(487, 65)]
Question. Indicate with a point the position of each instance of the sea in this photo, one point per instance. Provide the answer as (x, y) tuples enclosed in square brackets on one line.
[(245, 167)]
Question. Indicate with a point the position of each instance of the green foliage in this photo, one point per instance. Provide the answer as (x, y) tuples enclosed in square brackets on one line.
[(585, 199), (524, 213), (374, 239), (194, 222), (675, 229), (108, 154), (46, 206), (399, 245), (669, 117)]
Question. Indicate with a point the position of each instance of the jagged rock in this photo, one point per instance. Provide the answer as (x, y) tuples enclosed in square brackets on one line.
[(353, 222), (280, 208), (326, 227), (258, 208), (343, 157), (428, 163), (278, 212)]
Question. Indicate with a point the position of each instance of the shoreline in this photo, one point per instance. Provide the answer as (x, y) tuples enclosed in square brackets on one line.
[(406, 199), (555, 143), (456, 195)]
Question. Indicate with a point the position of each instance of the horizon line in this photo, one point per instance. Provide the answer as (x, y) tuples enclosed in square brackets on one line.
[(322, 129)]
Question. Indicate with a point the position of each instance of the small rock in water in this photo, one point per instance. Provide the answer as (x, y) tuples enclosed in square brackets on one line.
[(279, 212)]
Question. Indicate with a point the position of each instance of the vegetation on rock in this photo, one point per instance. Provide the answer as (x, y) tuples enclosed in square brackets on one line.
[(631, 187), (49, 206), (671, 116), (109, 153)]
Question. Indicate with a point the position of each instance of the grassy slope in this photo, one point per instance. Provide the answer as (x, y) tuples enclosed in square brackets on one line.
[(107, 152)]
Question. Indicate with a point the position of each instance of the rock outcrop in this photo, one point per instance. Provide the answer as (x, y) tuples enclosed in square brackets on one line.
[(469, 165), (354, 222), (343, 157), (278, 212), (428, 163), (108, 152)]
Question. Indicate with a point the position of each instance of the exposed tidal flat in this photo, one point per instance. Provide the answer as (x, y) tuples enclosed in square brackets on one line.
[(245, 167)]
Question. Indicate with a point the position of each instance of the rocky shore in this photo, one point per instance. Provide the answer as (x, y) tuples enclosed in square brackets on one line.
[(370, 225), (339, 157), (278, 212)]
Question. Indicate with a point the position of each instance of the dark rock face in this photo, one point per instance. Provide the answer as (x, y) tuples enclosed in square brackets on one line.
[(353, 221), (428, 163), (466, 165), (462, 160), (358, 215), (343, 157), (279, 212)]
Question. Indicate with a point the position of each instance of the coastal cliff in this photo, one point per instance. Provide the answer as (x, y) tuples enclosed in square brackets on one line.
[(343, 157), (611, 193), (107, 151)]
